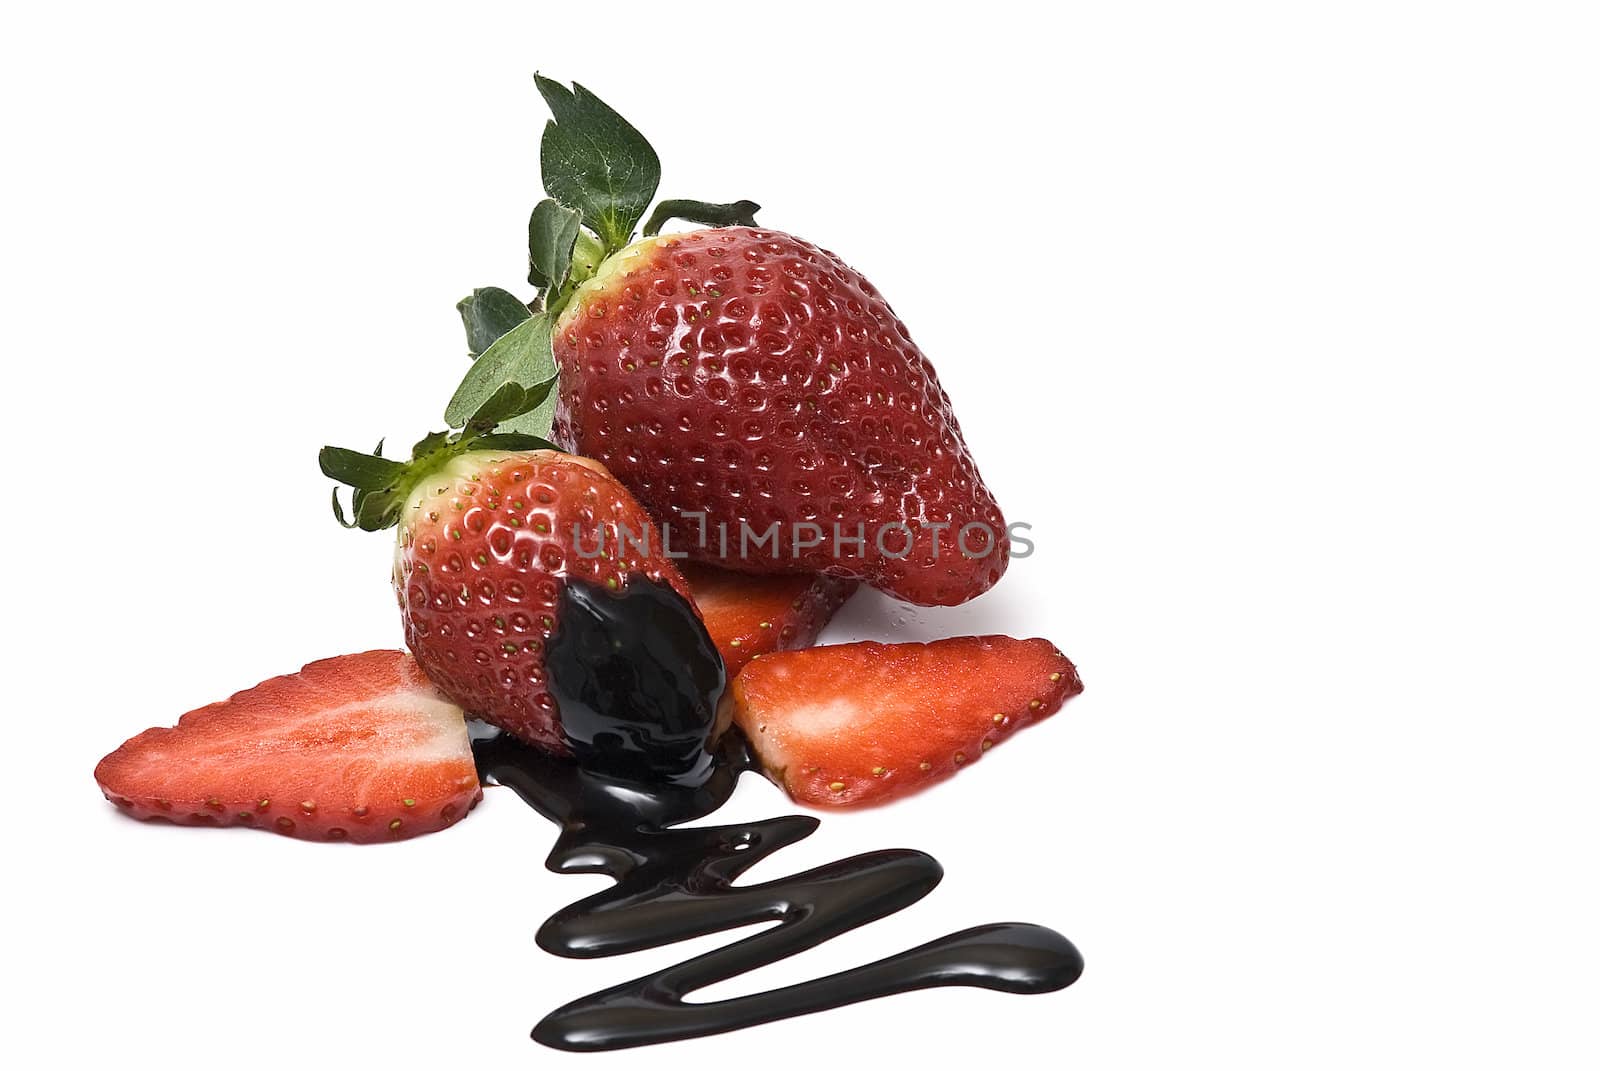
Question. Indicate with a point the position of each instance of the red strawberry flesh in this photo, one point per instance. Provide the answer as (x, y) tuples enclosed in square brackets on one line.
[(360, 748), (864, 723)]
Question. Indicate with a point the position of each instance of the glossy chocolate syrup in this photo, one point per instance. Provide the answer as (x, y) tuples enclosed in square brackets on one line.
[(674, 884), (637, 679)]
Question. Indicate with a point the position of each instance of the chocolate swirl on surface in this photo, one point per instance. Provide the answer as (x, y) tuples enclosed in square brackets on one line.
[(675, 884)]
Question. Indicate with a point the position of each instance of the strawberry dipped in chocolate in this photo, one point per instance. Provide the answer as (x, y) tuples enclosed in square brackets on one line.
[(535, 593)]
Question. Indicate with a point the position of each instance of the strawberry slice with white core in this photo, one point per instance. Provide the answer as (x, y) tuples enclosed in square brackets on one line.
[(360, 748), (863, 723)]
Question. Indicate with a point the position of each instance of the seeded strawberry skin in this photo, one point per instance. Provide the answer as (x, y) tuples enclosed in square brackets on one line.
[(485, 546), (750, 376), (865, 723), (360, 748), (749, 616)]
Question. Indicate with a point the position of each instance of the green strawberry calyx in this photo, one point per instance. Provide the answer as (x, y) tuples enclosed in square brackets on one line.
[(600, 175), (382, 485), (737, 214)]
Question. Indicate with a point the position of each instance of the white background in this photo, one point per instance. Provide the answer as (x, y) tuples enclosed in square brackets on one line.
[(1277, 321)]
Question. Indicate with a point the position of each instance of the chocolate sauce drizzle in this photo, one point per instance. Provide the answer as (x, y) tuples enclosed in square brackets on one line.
[(674, 884)]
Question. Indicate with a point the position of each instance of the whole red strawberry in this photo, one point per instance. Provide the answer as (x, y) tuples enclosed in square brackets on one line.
[(504, 556), (754, 391), (755, 379)]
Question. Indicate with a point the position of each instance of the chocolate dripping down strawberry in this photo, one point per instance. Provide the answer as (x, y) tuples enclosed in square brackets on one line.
[(755, 393), (489, 524)]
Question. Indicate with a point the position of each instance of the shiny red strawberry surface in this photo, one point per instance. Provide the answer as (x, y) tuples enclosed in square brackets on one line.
[(486, 543), (749, 377)]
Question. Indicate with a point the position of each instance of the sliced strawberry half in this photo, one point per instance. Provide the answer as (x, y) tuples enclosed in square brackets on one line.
[(751, 615), (862, 723), (360, 747)]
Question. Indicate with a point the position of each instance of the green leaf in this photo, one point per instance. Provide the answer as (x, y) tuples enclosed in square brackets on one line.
[(535, 423), (501, 405), (736, 214), (594, 161), (377, 510), (338, 511), (511, 440), (430, 443), (364, 472), (487, 313), (552, 230), (522, 357), (510, 401)]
